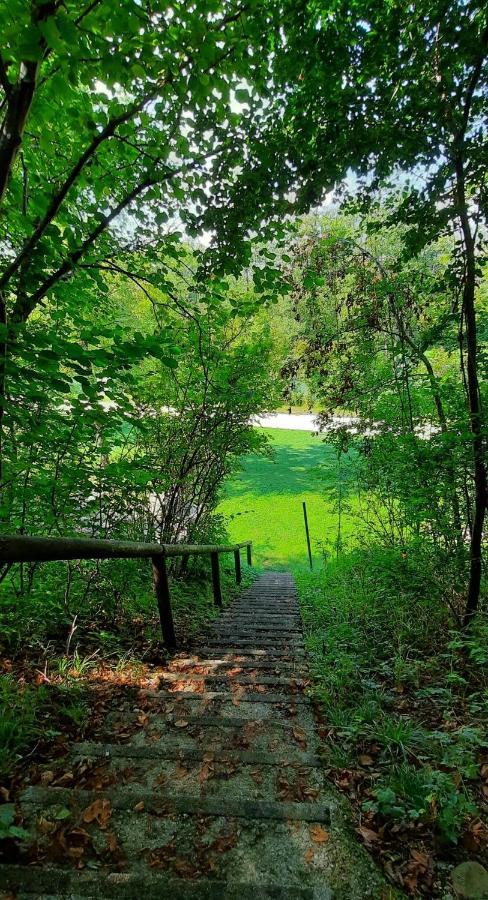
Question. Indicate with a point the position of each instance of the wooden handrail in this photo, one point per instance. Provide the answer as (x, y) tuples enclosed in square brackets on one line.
[(20, 548), (32, 548)]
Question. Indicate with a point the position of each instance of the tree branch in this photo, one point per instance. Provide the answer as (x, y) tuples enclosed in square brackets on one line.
[(58, 198)]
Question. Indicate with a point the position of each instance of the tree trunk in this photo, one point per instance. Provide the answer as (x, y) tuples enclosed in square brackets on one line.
[(3, 365), (474, 401), (19, 100)]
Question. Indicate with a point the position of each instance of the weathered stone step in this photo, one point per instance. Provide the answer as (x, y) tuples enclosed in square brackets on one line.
[(161, 750), (236, 642), (282, 726), (218, 731), (255, 617), (247, 623), (126, 797), (33, 881), (223, 678), (276, 635), (225, 696), (215, 776), (162, 716), (238, 654), (267, 605), (253, 664), (267, 600)]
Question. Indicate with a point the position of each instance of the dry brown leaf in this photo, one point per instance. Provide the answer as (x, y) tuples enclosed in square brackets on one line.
[(112, 844), (47, 777), (309, 856), (65, 779), (181, 723), (139, 807), (368, 835), (300, 737), (421, 859), (45, 826), (98, 811), (319, 835), (365, 760), (205, 773), (237, 692)]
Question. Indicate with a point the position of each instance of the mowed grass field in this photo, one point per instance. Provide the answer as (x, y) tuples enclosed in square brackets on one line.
[(263, 502)]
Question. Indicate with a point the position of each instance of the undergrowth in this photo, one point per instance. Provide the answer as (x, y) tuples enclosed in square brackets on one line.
[(403, 698), (53, 657)]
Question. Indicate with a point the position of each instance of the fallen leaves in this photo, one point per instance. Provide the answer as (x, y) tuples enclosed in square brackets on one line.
[(368, 835), (319, 835), (300, 737), (365, 760), (99, 811), (237, 691)]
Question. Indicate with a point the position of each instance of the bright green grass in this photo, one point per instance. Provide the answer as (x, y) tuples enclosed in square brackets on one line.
[(263, 502)]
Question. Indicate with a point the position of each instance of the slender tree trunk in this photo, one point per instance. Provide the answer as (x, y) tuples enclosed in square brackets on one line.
[(19, 100), (474, 400), (3, 366), (451, 468)]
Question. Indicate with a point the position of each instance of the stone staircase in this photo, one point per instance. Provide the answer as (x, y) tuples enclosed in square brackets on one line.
[(207, 786)]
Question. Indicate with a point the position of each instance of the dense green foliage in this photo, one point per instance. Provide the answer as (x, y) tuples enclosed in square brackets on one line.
[(413, 720), (162, 281), (377, 335)]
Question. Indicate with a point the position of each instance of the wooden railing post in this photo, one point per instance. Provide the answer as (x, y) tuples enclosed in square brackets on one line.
[(161, 589), (249, 555), (237, 561), (217, 590)]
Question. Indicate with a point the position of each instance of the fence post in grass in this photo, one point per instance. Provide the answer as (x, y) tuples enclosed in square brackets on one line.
[(161, 589), (237, 560), (249, 555), (308, 534), (217, 590)]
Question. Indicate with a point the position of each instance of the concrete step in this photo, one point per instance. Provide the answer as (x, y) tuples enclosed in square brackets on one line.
[(236, 643), (224, 678), (223, 776), (159, 717), (247, 696), (158, 803), (26, 882), (247, 653), (243, 665), (183, 751)]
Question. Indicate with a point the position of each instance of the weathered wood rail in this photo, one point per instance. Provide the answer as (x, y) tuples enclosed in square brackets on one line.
[(21, 548)]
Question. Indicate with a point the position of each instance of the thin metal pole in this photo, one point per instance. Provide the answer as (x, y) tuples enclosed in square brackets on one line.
[(308, 534), (161, 589), (217, 590)]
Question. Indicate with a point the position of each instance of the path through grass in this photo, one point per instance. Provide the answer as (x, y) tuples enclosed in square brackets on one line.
[(263, 502)]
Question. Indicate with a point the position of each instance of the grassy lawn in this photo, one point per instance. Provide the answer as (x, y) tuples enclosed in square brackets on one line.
[(263, 502)]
